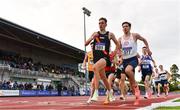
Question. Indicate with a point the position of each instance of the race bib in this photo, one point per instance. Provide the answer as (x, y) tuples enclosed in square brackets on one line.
[(127, 50), (157, 79), (100, 46), (163, 77), (145, 66)]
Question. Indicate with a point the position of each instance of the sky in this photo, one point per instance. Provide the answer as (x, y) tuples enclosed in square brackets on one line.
[(156, 20)]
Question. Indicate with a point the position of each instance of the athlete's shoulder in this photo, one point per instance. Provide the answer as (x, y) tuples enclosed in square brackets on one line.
[(150, 57), (95, 33), (142, 57), (111, 35), (166, 71), (135, 34), (120, 38)]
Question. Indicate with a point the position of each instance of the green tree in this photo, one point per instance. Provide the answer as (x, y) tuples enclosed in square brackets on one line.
[(175, 77)]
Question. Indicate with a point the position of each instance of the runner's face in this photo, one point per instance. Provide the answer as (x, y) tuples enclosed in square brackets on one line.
[(126, 28), (156, 71), (102, 25), (143, 50), (161, 67)]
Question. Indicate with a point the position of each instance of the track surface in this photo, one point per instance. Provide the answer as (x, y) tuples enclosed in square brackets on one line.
[(75, 103)]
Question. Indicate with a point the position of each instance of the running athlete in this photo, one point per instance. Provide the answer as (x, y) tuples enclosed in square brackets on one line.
[(157, 82), (146, 69), (110, 71), (101, 46), (129, 52), (120, 78), (164, 76), (119, 83), (89, 58), (123, 87)]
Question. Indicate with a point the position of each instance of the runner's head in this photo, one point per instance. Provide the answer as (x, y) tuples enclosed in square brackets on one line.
[(156, 70), (144, 50), (161, 67), (102, 24), (126, 27)]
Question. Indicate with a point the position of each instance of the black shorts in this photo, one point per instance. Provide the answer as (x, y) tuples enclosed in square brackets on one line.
[(106, 57), (131, 61), (90, 75), (145, 73), (163, 82), (118, 73), (157, 82)]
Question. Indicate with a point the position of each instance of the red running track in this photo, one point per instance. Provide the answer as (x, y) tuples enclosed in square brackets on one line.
[(75, 103)]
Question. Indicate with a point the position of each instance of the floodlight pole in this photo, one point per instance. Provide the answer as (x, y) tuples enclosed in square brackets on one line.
[(86, 12)]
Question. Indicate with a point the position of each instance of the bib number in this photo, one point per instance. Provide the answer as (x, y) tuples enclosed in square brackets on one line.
[(145, 66), (100, 46), (127, 50), (163, 77)]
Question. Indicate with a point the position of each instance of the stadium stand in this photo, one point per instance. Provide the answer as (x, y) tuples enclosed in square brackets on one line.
[(30, 60)]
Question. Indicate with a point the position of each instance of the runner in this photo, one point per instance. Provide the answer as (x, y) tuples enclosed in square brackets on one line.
[(89, 58), (110, 71), (120, 80), (146, 69), (157, 81), (101, 46), (164, 76), (130, 60)]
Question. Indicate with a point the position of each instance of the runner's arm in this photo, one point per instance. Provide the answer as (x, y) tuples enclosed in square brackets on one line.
[(91, 38), (154, 63), (169, 75), (112, 36), (120, 51), (139, 37), (84, 61)]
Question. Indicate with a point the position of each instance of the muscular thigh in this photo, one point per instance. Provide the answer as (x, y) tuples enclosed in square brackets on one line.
[(100, 64), (147, 78), (129, 71)]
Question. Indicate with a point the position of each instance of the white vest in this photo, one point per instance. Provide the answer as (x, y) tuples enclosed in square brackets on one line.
[(163, 75), (129, 47)]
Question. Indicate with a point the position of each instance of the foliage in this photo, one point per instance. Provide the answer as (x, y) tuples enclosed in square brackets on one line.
[(175, 77)]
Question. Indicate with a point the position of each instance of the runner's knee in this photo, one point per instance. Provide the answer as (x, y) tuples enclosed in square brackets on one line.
[(129, 69), (95, 69)]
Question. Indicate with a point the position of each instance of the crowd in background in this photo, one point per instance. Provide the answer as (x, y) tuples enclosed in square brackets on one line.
[(17, 61), (10, 85), (24, 63)]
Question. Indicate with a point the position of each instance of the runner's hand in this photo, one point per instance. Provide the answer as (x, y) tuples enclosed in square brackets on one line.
[(83, 67)]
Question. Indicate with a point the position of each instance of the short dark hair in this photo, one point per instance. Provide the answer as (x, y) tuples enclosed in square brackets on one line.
[(126, 23), (102, 18), (160, 65)]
